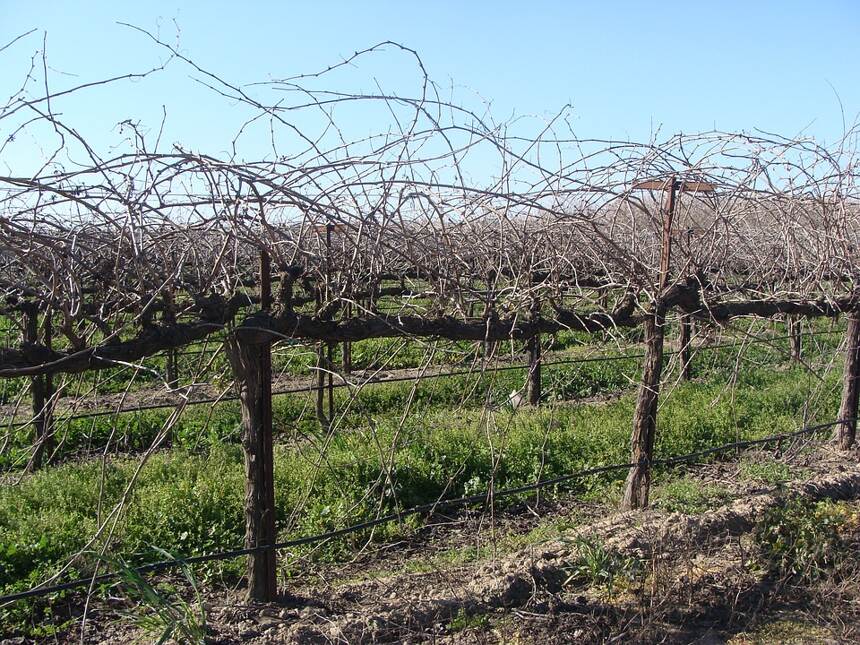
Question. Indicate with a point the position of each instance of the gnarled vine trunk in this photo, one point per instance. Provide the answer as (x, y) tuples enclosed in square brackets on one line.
[(645, 417)]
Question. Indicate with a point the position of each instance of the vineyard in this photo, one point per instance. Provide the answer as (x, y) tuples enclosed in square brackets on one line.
[(233, 376)]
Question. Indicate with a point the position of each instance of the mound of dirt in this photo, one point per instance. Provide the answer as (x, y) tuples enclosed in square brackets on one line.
[(699, 554)]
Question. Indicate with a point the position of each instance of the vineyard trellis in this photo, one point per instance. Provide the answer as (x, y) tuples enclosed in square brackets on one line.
[(117, 258), (370, 380)]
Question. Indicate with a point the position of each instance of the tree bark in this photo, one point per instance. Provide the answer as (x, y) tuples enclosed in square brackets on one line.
[(252, 370), (645, 417), (850, 384), (35, 360)]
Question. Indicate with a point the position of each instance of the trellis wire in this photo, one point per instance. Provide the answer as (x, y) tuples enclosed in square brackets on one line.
[(432, 375)]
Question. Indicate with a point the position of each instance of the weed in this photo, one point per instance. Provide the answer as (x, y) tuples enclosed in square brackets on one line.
[(689, 496), (465, 620), (597, 566), (161, 610), (768, 472), (804, 539), (784, 631)]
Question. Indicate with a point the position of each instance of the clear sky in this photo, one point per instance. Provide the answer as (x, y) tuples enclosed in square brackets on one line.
[(626, 67)]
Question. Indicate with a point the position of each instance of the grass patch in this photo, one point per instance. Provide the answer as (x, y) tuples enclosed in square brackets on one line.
[(689, 496), (785, 631), (804, 540), (767, 472), (464, 620), (600, 568), (459, 437)]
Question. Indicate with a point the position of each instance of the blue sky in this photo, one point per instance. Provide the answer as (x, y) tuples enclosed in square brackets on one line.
[(626, 67)]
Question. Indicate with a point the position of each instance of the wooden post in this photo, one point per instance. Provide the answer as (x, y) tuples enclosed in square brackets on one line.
[(329, 229), (794, 331), (373, 297), (172, 367), (534, 370), (347, 357), (534, 382), (47, 441), (172, 359), (346, 348), (489, 345), (321, 388), (41, 388), (603, 298), (637, 488), (684, 345), (850, 384), (252, 368), (330, 368)]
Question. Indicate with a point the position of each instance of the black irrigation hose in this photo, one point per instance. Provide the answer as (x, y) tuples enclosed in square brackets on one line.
[(400, 379), (415, 510)]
